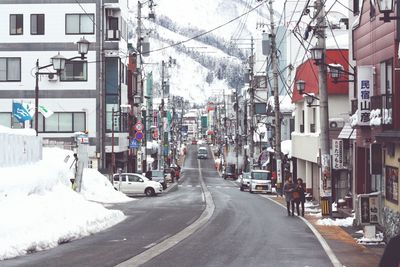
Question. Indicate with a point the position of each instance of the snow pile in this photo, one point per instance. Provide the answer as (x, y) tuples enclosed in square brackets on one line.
[(286, 148), (40, 210), (375, 117), (346, 222), (378, 240), (387, 116), (354, 119), (96, 187)]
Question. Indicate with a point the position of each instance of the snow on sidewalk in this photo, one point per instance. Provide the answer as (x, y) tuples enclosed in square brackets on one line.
[(40, 210)]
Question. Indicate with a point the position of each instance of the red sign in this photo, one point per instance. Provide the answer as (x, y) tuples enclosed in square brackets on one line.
[(139, 126)]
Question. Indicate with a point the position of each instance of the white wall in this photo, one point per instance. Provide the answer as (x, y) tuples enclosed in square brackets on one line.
[(54, 22), (19, 149)]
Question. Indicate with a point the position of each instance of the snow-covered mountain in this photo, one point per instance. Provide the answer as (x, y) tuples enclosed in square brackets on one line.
[(210, 40)]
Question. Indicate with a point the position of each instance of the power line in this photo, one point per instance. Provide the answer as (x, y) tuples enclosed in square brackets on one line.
[(206, 32)]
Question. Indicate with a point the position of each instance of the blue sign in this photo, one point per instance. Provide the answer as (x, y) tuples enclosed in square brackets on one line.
[(134, 144), (20, 112)]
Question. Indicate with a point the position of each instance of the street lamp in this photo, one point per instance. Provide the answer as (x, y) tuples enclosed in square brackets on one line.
[(336, 71), (58, 63), (309, 98), (386, 7), (317, 54)]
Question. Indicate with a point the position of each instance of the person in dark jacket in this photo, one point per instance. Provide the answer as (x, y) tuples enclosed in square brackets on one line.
[(288, 188), (391, 255), (299, 196)]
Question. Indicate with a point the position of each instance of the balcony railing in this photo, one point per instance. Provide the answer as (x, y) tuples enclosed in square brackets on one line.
[(385, 105), (301, 128)]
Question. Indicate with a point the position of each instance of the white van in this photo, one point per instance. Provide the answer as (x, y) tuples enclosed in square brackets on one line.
[(260, 181)]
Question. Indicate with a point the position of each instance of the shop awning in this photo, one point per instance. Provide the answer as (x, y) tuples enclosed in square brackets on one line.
[(347, 132)]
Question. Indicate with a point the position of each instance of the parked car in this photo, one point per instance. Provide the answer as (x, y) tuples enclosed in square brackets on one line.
[(134, 183), (202, 153), (230, 171), (159, 176), (244, 181), (260, 181)]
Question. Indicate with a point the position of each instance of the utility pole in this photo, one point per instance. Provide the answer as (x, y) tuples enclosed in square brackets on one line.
[(274, 61), (237, 132), (161, 162), (251, 135), (326, 179)]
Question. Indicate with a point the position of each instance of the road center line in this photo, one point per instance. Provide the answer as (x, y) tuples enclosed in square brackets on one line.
[(156, 250)]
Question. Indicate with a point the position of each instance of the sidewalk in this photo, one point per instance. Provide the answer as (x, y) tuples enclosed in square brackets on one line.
[(342, 243)]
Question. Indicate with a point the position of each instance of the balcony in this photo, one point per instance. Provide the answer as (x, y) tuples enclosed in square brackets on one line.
[(113, 35), (382, 109)]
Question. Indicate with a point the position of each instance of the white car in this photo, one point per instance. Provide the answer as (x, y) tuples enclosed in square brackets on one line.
[(260, 181), (134, 183)]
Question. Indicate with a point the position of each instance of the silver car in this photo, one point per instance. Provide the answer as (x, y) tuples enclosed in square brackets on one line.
[(244, 181)]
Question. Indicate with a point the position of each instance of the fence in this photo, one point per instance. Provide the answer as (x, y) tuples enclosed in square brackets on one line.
[(19, 149)]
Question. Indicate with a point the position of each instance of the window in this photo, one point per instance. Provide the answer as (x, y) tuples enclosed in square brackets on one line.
[(37, 24), (7, 119), (16, 24), (10, 69), (79, 23), (74, 71), (62, 122)]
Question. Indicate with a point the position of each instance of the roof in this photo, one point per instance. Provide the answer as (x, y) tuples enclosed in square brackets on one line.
[(347, 132)]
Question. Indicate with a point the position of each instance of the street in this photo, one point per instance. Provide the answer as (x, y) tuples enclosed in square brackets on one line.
[(243, 230)]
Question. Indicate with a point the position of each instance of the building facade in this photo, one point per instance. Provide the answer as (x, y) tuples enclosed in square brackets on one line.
[(83, 96)]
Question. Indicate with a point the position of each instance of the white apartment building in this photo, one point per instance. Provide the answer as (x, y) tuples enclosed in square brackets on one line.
[(83, 95)]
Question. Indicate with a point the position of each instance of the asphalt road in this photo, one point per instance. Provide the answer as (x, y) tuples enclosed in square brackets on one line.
[(244, 230)]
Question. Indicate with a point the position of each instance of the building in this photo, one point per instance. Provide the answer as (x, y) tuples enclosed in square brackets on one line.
[(375, 112), (306, 136), (83, 96)]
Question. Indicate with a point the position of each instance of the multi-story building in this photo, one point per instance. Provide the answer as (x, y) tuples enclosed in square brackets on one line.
[(376, 112), (83, 96), (306, 137)]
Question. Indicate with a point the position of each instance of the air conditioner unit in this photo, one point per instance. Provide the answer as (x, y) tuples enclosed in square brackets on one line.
[(52, 77), (336, 123)]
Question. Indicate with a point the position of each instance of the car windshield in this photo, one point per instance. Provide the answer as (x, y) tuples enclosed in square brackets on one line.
[(202, 151), (157, 173), (261, 176), (246, 175)]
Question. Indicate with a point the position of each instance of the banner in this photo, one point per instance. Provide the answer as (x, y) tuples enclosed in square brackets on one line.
[(337, 157), (20, 112), (365, 88), (45, 111)]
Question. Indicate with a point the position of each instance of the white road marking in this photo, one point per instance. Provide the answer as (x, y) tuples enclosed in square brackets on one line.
[(157, 249), (150, 245)]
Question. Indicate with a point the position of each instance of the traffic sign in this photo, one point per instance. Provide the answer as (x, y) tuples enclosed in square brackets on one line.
[(139, 135), (139, 126), (134, 144)]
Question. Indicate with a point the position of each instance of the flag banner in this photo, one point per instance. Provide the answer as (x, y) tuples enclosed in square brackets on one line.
[(30, 108), (45, 111), (20, 112)]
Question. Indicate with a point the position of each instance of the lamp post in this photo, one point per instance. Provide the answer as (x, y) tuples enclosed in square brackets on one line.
[(58, 63), (386, 7), (309, 98)]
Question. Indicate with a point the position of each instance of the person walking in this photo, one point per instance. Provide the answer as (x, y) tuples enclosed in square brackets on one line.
[(288, 189), (299, 196)]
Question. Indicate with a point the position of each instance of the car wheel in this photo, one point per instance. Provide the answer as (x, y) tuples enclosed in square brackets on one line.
[(149, 192), (241, 188), (164, 185), (251, 191)]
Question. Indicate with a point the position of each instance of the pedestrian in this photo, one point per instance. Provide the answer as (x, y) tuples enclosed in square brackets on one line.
[(288, 188), (172, 172), (299, 196), (391, 255)]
